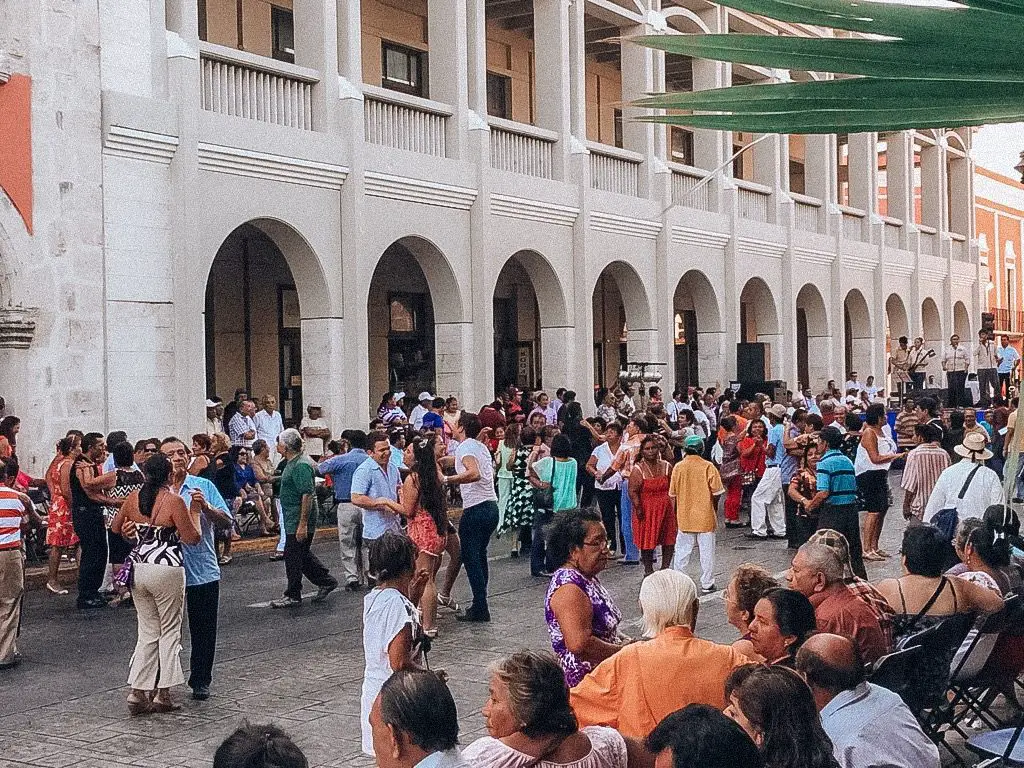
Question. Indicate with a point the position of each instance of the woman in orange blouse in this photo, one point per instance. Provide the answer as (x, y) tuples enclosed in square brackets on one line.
[(640, 685)]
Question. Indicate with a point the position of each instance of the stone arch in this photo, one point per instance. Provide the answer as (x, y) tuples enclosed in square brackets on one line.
[(623, 325), (858, 335), (263, 283), (931, 325), (759, 322), (896, 319), (414, 308), (697, 332), (962, 323), (813, 339), (532, 333)]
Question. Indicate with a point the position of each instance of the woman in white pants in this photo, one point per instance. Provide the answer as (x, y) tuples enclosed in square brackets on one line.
[(159, 520)]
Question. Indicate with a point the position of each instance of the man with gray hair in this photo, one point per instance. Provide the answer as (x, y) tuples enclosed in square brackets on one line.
[(817, 573), (299, 508)]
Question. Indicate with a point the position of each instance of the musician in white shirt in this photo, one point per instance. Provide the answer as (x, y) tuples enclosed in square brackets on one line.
[(918, 363), (955, 362)]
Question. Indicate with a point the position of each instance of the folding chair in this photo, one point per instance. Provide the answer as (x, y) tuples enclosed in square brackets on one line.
[(892, 670), (247, 518), (999, 748)]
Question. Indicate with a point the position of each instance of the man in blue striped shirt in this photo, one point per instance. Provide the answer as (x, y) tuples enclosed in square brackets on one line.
[(836, 499)]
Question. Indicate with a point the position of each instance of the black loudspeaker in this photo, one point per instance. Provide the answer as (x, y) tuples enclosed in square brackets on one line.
[(751, 362), (988, 321), (775, 389)]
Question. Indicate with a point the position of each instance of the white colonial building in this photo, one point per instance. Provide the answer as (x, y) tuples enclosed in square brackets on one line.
[(328, 199)]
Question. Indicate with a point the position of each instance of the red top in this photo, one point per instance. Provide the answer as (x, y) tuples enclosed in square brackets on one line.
[(754, 461)]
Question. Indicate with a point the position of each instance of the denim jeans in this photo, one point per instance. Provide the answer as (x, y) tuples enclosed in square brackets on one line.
[(630, 552), (537, 546), (475, 530)]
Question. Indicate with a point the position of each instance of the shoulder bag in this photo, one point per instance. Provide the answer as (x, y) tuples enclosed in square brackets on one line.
[(946, 519)]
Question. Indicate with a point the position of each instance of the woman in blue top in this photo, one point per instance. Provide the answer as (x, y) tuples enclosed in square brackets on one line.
[(557, 471), (249, 489)]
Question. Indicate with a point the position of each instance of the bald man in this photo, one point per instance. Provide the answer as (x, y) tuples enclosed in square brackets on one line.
[(869, 725)]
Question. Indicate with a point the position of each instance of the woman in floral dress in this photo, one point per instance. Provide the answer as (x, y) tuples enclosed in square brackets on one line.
[(60, 534), (519, 507)]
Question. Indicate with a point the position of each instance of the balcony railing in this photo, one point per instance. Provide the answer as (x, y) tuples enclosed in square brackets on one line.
[(929, 240), (400, 121), (806, 212), (853, 222), (684, 181), (892, 228), (614, 170), (752, 200), (240, 84), (1009, 320), (958, 247), (521, 148)]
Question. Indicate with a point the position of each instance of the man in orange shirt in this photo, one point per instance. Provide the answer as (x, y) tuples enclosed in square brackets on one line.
[(694, 488), (640, 685)]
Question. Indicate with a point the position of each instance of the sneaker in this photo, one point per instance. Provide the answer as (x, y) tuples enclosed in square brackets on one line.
[(286, 602), (224, 559), (708, 590), (201, 692), (753, 535), (322, 593), (277, 557)]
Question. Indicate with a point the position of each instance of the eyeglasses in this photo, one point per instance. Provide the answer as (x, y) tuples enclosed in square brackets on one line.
[(602, 544)]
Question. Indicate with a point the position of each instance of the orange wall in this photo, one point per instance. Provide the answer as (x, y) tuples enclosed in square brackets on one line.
[(16, 145), (1000, 224), (397, 21)]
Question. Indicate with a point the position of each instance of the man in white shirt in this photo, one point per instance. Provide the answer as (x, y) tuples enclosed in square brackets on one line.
[(984, 489), (474, 471), (869, 725), (853, 383), (955, 363), (269, 425), (422, 409), (242, 428), (315, 431), (1009, 359), (986, 361)]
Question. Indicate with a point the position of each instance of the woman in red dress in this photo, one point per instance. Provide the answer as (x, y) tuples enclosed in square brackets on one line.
[(654, 520), (60, 534)]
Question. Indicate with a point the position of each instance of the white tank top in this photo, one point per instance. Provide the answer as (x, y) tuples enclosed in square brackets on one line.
[(863, 463)]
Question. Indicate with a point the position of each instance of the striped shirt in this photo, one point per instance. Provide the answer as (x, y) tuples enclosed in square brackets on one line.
[(11, 512), (924, 465), (835, 474)]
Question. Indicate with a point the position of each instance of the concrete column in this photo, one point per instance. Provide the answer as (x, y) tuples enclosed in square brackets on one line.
[(863, 171), (557, 92), (961, 187), (316, 46), (712, 359), (446, 31), (324, 361), (767, 160), (639, 66), (642, 345), (455, 367), (710, 148), (933, 187), (819, 175), (558, 362)]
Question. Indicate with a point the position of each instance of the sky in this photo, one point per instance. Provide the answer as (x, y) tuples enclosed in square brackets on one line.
[(998, 147)]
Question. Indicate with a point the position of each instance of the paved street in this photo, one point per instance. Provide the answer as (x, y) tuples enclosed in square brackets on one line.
[(302, 669)]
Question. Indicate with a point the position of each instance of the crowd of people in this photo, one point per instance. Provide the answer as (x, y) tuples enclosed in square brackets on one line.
[(642, 483)]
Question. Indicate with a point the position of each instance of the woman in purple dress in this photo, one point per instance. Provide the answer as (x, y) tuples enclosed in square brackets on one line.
[(582, 619)]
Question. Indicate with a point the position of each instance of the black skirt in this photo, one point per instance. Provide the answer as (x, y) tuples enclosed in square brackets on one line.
[(873, 487)]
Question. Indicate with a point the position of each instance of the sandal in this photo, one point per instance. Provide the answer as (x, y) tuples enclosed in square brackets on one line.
[(139, 707), (431, 633), (56, 590), (163, 706), (447, 601), (883, 553), (872, 556)]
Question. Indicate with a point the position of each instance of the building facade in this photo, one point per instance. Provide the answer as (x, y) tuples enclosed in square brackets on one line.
[(999, 216), (329, 199)]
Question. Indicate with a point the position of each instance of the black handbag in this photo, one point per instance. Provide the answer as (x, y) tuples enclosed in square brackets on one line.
[(544, 498), (946, 519)]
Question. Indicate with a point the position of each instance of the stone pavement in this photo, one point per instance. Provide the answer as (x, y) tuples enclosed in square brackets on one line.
[(301, 668)]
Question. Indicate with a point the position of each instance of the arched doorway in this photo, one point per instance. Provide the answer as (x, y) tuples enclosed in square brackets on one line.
[(897, 326), (406, 325), (529, 323), (857, 336), (962, 323), (931, 325), (622, 324), (697, 332), (253, 320), (813, 341), (759, 325)]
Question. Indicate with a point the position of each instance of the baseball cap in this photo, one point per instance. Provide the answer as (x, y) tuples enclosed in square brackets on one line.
[(837, 542), (315, 404), (399, 395), (210, 403), (425, 396)]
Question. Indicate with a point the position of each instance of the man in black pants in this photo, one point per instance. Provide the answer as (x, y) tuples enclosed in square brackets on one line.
[(836, 498), (202, 572), (87, 502)]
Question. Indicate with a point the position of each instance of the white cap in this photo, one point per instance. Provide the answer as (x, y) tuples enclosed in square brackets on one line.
[(314, 404), (425, 396), (399, 395), (211, 404)]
